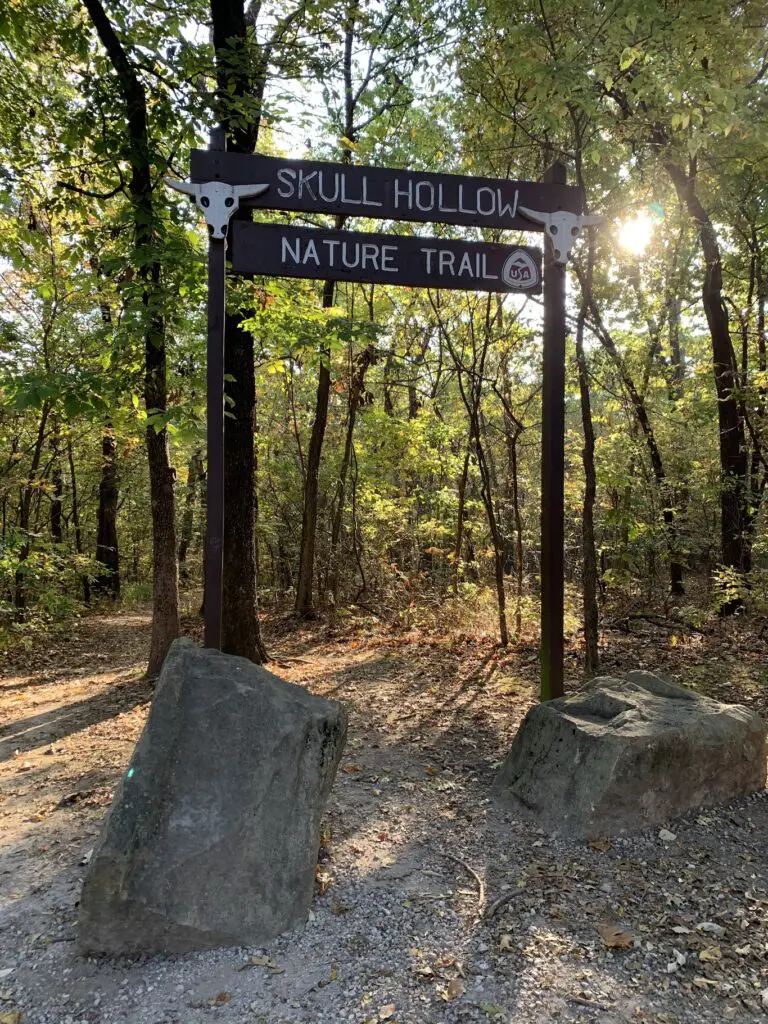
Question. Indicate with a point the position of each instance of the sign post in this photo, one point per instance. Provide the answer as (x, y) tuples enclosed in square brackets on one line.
[(553, 469), (220, 180)]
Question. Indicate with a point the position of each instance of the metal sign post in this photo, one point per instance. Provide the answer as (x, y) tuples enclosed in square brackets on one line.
[(217, 201), (220, 180), (214, 522), (561, 229)]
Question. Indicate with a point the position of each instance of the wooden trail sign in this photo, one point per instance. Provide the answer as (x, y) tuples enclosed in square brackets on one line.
[(273, 250), (221, 181), (315, 186)]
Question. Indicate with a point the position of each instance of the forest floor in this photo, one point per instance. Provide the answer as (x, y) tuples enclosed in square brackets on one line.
[(666, 926)]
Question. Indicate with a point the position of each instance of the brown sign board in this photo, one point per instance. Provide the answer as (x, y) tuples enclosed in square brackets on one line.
[(275, 251), (314, 186)]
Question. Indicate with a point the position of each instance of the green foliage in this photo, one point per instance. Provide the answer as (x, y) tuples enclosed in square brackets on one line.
[(469, 86)]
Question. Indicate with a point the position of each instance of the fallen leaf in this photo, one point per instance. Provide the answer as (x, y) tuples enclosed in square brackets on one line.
[(454, 989), (334, 972), (711, 928), (505, 942), (603, 845), (743, 950), (387, 1011), (666, 836), (700, 982), (10, 1018), (677, 962), (614, 938), (713, 953)]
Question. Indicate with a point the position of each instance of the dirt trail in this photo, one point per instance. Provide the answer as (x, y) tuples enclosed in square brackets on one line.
[(414, 854)]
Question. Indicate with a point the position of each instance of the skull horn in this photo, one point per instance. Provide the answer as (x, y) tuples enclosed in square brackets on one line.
[(534, 215), (182, 186), (249, 191)]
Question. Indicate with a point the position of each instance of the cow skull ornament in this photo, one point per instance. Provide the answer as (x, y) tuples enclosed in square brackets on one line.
[(217, 201), (561, 228)]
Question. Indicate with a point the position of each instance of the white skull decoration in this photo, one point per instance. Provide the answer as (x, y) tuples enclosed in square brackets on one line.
[(562, 229), (217, 201)]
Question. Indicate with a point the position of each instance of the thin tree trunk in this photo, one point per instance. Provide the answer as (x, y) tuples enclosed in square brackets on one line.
[(733, 450), (460, 523), (57, 478), (165, 609), (76, 518), (25, 508), (361, 363), (588, 551), (107, 549), (194, 474), (641, 414)]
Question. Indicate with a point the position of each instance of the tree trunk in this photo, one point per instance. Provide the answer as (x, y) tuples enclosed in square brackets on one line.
[(460, 522), (241, 75), (57, 477), (361, 363), (165, 580), (733, 449), (165, 610), (107, 551), (588, 551), (641, 414), (486, 494), (76, 518), (194, 474), (25, 508), (304, 584), (240, 627)]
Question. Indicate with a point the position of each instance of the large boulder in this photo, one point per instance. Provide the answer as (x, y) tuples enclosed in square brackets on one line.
[(623, 754), (213, 834)]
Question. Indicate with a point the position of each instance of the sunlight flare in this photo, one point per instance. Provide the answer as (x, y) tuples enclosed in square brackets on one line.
[(635, 235)]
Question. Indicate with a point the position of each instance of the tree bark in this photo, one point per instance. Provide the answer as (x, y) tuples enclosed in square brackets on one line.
[(25, 508), (641, 414), (241, 75), (360, 366), (165, 609), (76, 518), (588, 551), (107, 550), (240, 627), (57, 478), (194, 475), (733, 450), (305, 581), (460, 522)]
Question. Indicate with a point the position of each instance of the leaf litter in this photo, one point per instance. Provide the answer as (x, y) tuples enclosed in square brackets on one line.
[(668, 928)]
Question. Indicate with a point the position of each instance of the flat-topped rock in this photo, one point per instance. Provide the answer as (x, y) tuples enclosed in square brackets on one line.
[(213, 834), (624, 754)]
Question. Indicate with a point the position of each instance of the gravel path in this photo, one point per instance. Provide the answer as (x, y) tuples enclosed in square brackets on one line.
[(432, 907)]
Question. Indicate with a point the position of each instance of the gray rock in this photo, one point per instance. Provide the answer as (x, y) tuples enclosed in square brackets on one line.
[(624, 754), (213, 834)]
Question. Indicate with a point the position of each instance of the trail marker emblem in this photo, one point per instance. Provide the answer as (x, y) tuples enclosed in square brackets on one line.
[(217, 200)]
